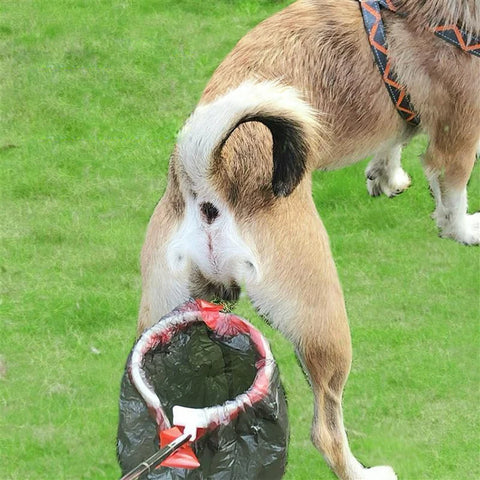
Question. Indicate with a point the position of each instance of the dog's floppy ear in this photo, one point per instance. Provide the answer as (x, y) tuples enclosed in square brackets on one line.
[(291, 121)]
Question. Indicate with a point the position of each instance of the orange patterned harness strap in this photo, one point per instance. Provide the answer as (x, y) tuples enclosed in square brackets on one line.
[(372, 19), (456, 36)]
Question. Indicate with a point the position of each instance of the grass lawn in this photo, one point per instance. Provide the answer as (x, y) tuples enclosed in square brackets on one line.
[(92, 95)]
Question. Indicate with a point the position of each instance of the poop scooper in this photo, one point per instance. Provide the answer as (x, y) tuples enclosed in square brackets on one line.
[(197, 356)]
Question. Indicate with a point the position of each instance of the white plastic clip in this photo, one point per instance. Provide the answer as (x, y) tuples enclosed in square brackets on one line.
[(191, 419)]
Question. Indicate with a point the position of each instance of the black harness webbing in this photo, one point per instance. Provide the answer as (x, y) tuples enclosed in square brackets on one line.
[(372, 19), (456, 36)]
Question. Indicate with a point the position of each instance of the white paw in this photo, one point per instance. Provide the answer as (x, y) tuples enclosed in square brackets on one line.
[(378, 473), (466, 231), (391, 185)]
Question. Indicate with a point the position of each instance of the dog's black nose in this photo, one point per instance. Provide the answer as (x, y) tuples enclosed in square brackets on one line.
[(209, 211)]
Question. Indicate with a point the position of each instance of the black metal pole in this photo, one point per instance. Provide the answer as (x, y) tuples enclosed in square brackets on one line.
[(156, 458)]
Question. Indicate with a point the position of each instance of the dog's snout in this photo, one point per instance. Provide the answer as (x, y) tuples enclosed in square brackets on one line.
[(209, 211)]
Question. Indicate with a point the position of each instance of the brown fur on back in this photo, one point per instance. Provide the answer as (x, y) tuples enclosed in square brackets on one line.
[(464, 13), (321, 48), (297, 46)]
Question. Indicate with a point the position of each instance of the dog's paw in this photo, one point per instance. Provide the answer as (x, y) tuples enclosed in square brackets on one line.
[(390, 185), (378, 473), (467, 231)]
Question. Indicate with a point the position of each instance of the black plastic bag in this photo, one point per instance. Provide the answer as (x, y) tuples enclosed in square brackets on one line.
[(212, 374)]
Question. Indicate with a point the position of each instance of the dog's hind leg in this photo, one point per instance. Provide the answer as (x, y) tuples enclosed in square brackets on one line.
[(448, 172), (165, 282), (298, 290), (385, 174)]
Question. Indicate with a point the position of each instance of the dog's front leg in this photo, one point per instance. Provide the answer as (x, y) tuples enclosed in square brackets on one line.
[(385, 173), (299, 291), (448, 170)]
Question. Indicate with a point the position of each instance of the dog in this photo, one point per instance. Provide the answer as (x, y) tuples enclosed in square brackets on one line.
[(301, 92)]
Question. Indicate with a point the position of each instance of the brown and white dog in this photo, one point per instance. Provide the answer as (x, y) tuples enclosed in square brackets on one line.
[(301, 92)]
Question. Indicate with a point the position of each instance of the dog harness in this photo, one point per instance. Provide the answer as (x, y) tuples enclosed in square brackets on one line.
[(372, 19)]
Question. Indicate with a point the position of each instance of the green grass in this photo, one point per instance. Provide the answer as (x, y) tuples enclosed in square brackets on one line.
[(92, 95)]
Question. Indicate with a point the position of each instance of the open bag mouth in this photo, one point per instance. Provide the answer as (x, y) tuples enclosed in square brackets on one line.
[(203, 360), (212, 375)]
